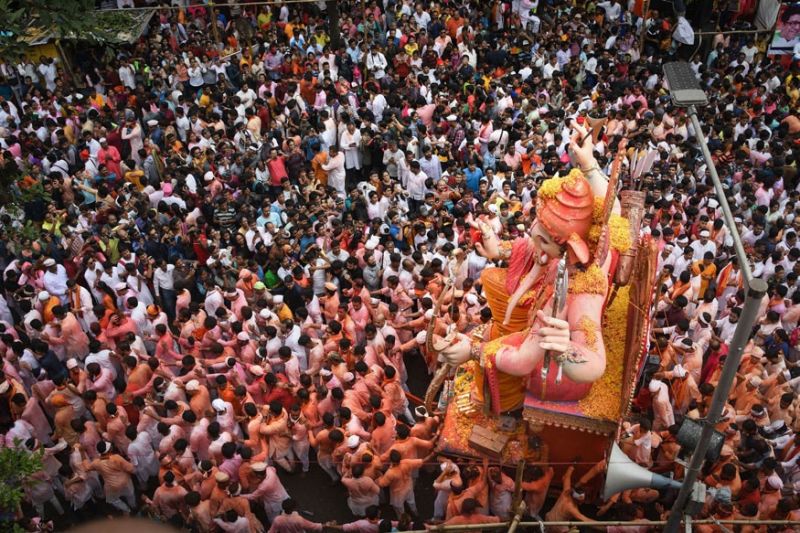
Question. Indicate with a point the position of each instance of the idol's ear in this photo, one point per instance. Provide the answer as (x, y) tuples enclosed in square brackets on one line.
[(578, 249)]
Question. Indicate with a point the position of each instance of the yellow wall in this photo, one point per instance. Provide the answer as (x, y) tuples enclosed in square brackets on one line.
[(46, 49)]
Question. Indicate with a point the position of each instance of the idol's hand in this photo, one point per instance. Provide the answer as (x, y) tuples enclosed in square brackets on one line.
[(554, 335), (478, 224), (581, 147), (458, 351)]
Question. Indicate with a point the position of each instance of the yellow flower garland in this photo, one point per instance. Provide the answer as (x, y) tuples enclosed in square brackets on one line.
[(604, 398), (588, 327), (590, 281), (551, 187), (620, 232), (597, 209), (594, 233)]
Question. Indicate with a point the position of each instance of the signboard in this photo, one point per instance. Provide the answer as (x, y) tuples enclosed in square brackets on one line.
[(787, 30)]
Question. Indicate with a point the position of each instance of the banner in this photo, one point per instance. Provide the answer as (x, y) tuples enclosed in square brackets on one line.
[(767, 14), (787, 30)]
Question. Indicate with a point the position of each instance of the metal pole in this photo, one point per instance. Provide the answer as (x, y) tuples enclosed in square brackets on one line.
[(600, 524), (732, 32), (755, 293), (723, 201)]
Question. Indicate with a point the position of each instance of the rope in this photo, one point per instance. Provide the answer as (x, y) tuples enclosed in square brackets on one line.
[(594, 523), (208, 6), (426, 463), (725, 529), (540, 521)]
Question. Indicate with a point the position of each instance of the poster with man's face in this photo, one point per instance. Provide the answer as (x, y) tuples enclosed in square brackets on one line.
[(787, 30)]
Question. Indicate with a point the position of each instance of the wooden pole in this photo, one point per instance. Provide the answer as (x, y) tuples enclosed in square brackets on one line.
[(518, 504), (213, 17), (332, 9), (518, 485), (517, 517), (645, 10), (64, 59)]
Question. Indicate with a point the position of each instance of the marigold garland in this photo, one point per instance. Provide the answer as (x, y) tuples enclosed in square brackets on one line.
[(590, 281), (594, 233), (458, 425), (551, 187), (598, 208), (491, 347), (464, 379), (604, 398), (588, 327), (620, 232)]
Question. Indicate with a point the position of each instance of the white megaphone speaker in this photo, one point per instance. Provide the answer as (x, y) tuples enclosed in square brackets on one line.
[(624, 474)]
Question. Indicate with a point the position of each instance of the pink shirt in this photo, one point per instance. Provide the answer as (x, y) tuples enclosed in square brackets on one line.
[(425, 114), (293, 523), (239, 303), (361, 526), (320, 100), (763, 197), (360, 317), (199, 440), (292, 370), (103, 384), (270, 490), (231, 467)]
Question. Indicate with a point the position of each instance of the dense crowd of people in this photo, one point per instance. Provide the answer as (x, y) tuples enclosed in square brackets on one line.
[(221, 255)]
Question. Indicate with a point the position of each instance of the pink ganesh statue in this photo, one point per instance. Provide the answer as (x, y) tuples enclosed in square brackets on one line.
[(572, 221)]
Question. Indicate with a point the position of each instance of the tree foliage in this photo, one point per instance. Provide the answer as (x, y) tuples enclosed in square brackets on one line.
[(9, 174), (26, 20), (16, 465)]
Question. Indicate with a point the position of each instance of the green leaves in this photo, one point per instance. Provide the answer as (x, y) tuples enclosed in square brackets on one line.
[(17, 464), (30, 22)]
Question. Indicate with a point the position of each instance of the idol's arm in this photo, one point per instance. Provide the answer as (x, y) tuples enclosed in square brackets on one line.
[(577, 340), (582, 154)]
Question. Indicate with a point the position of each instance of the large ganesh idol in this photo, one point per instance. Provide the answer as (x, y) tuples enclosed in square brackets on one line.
[(577, 227)]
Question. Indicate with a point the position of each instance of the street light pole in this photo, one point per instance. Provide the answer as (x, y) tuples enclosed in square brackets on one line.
[(686, 92), (723, 200)]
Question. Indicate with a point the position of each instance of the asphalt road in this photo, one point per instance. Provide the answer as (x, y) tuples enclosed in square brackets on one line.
[(321, 502), (317, 499)]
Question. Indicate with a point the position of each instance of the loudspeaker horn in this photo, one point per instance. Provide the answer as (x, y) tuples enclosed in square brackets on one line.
[(624, 474), (596, 125)]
